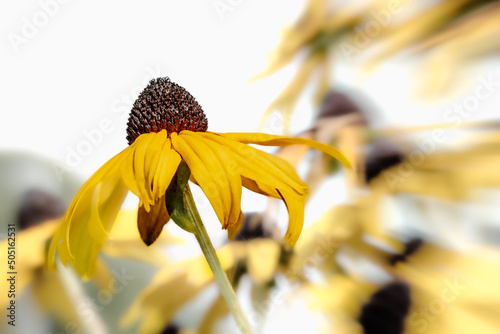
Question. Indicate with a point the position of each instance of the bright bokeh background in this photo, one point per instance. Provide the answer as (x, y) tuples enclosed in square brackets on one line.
[(67, 88)]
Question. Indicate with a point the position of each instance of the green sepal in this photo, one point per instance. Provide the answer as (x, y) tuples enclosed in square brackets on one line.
[(174, 198)]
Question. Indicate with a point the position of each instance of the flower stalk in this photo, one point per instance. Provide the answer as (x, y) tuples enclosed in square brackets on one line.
[(182, 209)]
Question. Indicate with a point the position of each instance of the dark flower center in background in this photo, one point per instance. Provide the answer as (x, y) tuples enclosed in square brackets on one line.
[(164, 104), (252, 228), (337, 104), (383, 155), (171, 329), (386, 311), (38, 206)]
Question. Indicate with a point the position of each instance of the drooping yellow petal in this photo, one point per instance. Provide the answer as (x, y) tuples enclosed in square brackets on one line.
[(295, 154), (216, 172), (273, 140), (259, 188), (85, 226), (232, 230), (262, 167), (168, 163), (144, 155), (127, 167), (272, 176), (295, 205)]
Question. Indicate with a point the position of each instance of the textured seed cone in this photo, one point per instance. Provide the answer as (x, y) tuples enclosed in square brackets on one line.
[(164, 104)]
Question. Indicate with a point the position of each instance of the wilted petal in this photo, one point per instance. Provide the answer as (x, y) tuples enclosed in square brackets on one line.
[(151, 223)]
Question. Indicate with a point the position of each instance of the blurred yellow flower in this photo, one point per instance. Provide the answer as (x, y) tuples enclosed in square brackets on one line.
[(185, 280), (447, 35), (48, 286), (167, 126)]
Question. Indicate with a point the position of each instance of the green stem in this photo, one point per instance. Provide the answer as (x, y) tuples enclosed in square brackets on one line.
[(213, 261)]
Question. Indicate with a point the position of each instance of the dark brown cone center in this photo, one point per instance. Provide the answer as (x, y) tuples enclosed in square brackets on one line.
[(164, 104)]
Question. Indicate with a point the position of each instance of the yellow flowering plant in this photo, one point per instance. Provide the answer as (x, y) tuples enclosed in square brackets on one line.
[(169, 144)]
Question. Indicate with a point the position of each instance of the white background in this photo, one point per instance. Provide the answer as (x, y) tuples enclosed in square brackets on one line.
[(81, 66)]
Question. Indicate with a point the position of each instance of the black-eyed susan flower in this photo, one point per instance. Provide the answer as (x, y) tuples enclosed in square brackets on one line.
[(166, 127)]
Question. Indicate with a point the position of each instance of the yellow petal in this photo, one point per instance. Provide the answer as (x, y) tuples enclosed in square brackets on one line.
[(216, 171), (144, 155), (148, 167), (295, 154), (127, 167), (235, 228), (268, 174), (167, 166), (86, 224), (262, 167), (154, 153), (295, 205), (259, 188), (273, 140)]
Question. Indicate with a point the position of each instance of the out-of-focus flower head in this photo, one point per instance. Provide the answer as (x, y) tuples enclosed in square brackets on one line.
[(253, 253), (38, 217), (36, 221), (450, 278)]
